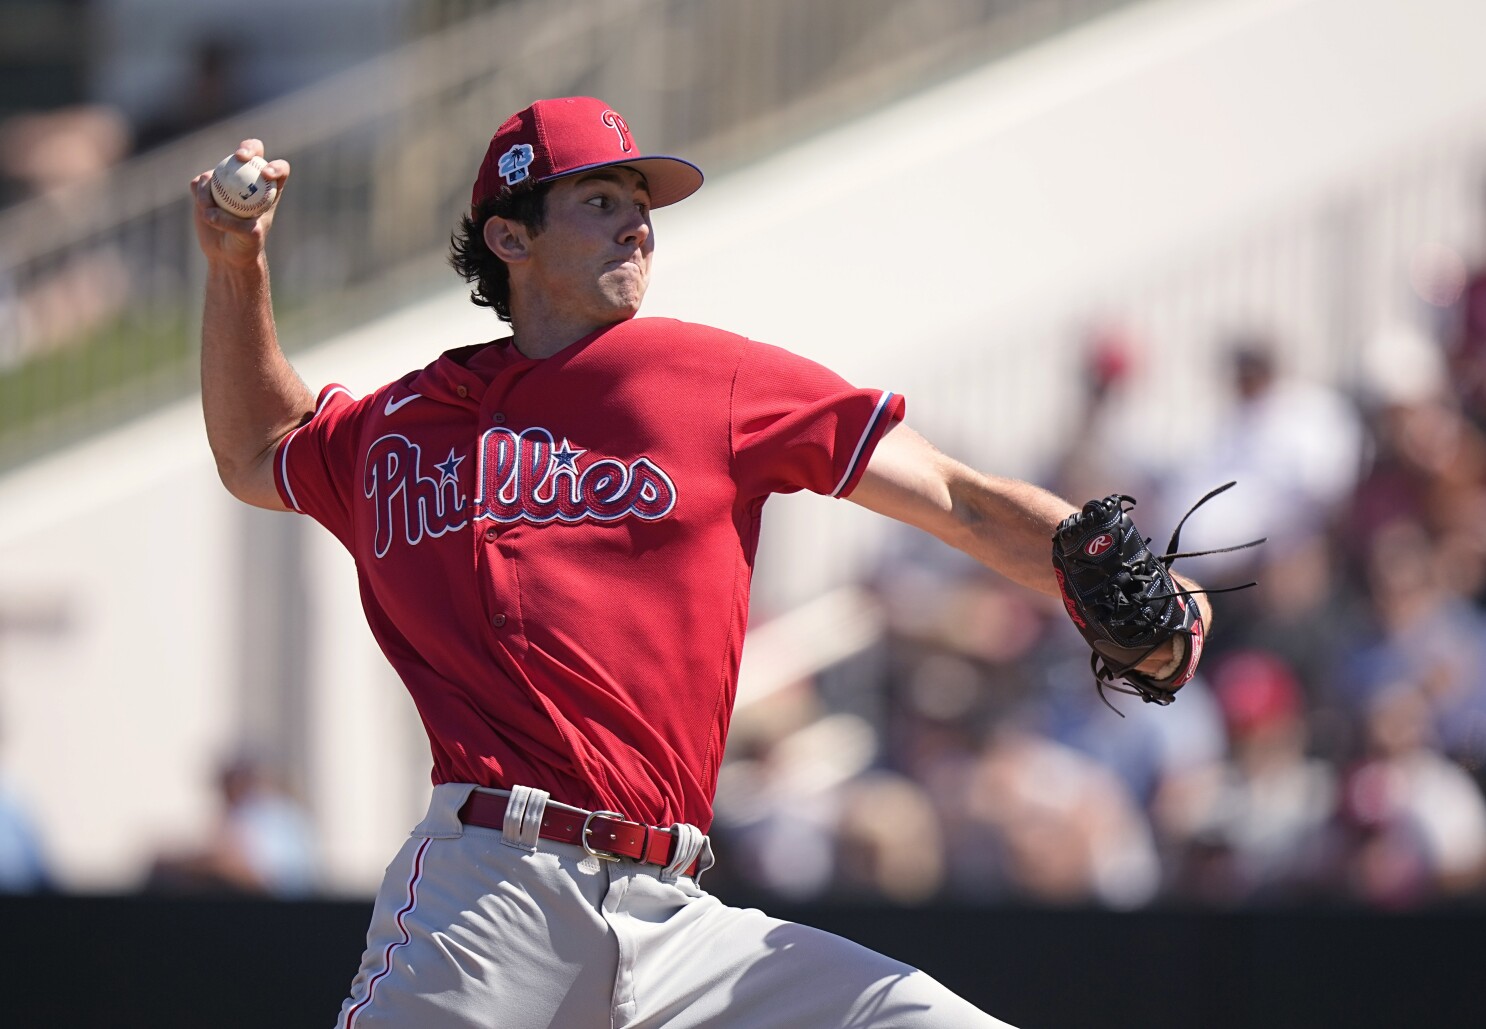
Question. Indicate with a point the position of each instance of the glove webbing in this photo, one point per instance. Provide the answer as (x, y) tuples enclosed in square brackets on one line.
[(1106, 675)]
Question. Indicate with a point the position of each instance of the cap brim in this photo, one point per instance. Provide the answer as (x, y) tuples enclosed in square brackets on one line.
[(669, 178)]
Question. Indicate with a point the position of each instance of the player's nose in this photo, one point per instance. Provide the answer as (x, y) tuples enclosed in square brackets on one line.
[(636, 229)]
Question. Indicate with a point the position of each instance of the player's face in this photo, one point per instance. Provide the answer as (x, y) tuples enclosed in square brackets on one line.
[(592, 256)]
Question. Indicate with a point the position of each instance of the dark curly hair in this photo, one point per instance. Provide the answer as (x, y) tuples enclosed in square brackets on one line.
[(526, 203)]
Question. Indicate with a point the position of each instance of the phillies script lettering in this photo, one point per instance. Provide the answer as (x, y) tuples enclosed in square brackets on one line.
[(528, 477), (524, 476)]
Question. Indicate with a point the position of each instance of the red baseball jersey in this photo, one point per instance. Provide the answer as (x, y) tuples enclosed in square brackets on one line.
[(555, 555)]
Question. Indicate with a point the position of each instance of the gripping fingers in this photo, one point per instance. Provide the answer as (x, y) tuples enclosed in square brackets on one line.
[(210, 215), (277, 170), (208, 212)]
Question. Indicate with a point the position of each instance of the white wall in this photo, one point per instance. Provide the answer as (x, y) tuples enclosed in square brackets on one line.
[(889, 248)]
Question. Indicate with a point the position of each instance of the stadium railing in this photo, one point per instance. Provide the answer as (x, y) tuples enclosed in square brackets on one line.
[(99, 284)]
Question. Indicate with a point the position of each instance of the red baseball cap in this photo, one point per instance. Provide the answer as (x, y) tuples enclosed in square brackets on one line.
[(553, 138)]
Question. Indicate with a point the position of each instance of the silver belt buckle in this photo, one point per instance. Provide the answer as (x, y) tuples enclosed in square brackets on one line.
[(602, 855)]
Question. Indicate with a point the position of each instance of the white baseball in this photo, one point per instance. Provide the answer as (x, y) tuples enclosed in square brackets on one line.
[(240, 189)]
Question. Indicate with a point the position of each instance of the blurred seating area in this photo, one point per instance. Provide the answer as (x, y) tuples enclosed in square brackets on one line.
[(1332, 750)]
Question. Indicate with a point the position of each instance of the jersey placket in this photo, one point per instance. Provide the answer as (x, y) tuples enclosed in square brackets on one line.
[(496, 543)]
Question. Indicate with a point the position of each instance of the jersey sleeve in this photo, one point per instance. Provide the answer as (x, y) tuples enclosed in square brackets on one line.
[(315, 464), (798, 425)]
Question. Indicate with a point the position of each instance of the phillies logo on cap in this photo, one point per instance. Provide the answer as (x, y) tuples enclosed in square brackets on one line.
[(514, 162), (612, 119), (1099, 544)]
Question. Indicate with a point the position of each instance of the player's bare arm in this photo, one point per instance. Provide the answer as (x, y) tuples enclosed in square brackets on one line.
[(1005, 524), (251, 396)]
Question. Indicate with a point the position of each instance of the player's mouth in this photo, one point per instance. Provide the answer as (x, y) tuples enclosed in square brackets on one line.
[(633, 261)]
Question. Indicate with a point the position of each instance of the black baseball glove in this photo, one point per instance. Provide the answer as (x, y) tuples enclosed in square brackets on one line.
[(1124, 601)]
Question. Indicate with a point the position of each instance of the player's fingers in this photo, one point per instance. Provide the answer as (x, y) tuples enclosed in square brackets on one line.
[(249, 149), (277, 171), (223, 221), (201, 194), (1159, 661)]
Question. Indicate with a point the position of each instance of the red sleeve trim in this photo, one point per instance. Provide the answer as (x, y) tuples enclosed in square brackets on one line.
[(281, 459), (889, 411)]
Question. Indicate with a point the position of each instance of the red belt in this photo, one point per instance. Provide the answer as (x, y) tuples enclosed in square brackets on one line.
[(604, 834)]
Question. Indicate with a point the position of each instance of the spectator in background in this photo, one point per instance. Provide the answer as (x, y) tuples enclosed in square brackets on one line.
[(1415, 822), (1146, 746), (1251, 827), (262, 843), (1104, 452), (888, 840), (1422, 633), (1429, 460), (1069, 832), (1295, 449), (942, 705)]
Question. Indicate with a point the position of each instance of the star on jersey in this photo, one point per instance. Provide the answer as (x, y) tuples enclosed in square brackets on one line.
[(408, 504), (566, 456), (448, 468)]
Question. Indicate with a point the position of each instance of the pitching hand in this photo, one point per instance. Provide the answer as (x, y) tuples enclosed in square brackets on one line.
[(225, 237)]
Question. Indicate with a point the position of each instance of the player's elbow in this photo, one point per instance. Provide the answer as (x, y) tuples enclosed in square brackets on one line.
[(232, 479), (250, 479)]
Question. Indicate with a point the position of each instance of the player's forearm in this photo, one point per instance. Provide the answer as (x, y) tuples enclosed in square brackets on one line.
[(1006, 524), (251, 396)]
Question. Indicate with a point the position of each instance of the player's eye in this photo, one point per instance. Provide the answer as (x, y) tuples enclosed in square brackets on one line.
[(598, 200)]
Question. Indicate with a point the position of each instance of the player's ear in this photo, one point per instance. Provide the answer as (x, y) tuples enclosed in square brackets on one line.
[(506, 238)]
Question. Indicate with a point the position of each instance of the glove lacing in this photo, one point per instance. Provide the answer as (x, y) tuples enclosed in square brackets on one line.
[(1117, 602)]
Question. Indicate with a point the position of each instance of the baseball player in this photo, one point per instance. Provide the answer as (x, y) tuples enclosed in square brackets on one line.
[(554, 534)]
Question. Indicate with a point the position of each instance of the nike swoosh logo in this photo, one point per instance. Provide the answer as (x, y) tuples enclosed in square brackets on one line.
[(393, 405)]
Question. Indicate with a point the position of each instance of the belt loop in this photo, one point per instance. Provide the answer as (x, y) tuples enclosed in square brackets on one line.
[(523, 821), (656, 848), (442, 821), (689, 843)]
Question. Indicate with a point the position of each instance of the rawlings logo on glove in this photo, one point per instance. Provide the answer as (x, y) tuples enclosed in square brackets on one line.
[(1124, 600)]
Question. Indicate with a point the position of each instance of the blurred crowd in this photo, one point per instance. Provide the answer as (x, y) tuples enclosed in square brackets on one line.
[(1332, 751)]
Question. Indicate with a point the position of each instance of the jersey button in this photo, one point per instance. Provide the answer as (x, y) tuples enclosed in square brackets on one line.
[(497, 620), (463, 391), (490, 534), (498, 418)]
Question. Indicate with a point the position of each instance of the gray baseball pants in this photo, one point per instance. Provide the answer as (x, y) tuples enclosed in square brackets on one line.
[(474, 927)]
